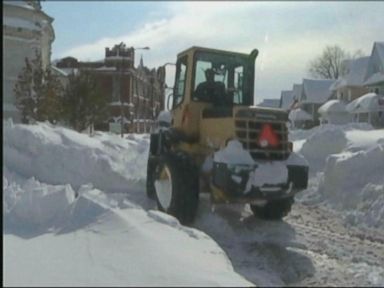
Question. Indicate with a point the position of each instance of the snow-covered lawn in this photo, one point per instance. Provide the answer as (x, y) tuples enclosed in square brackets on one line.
[(75, 211)]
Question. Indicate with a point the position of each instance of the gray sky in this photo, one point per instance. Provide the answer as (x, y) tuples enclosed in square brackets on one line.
[(287, 34)]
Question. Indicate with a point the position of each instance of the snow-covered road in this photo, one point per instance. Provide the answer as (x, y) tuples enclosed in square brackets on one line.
[(311, 247)]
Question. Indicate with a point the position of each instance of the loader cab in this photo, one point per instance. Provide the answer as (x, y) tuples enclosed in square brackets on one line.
[(232, 84)]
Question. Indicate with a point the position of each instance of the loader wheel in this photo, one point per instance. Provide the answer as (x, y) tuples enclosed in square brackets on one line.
[(273, 210), (177, 187), (151, 169)]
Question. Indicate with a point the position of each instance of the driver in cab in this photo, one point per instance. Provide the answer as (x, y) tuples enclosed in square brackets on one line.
[(210, 90)]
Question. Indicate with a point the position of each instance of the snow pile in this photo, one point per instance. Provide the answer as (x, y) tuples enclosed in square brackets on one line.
[(299, 114), (234, 154), (367, 103), (347, 169), (39, 206), (265, 172), (355, 182), (299, 134), (332, 106), (62, 156), (273, 173), (320, 145), (61, 231)]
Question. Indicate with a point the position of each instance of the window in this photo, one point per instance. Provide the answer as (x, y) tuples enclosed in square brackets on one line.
[(238, 85), (179, 89), (231, 71)]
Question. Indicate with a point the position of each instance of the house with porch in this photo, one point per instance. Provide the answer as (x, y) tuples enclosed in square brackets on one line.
[(350, 85), (314, 93)]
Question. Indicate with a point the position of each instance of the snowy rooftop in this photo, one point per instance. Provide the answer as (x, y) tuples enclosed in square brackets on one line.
[(355, 76), (316, 91), (332, 106), (59, 70), (286, 99), (380, 50), (375, 69), (297, 90)]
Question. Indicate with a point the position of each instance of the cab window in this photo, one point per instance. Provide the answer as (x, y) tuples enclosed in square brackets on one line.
[(180, 81)]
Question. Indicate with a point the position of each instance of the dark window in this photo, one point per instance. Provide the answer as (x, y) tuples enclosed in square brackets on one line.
[(179, 89)]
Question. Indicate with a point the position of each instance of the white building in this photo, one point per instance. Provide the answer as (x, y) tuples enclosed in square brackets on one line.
[(26, 28)]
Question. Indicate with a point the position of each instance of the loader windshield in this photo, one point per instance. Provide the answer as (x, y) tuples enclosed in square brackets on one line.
[(223, 78)]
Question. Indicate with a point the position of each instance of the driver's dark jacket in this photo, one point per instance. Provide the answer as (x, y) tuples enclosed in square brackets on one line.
[(213, 92)]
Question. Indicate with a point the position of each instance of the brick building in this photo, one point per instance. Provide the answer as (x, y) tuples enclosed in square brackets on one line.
[(136, 95)]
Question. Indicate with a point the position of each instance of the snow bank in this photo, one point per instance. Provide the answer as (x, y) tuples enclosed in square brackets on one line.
[(35, 203), (99, 245), (347, 168), (355, 182), (61, 231), (56, 155), (299, 134), (320, 145)]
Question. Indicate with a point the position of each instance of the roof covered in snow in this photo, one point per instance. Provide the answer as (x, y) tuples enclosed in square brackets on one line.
[(332, 106), (297, 91), (59, 70), (356, 71), (299, 114), (367, 103), (316, 91), (379, 46), (375, 68), (286, 99)]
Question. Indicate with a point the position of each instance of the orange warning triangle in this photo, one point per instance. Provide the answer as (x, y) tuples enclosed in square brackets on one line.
[(268, 136)]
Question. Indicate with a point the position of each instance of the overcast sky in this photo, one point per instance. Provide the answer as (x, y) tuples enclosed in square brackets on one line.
[(287, 34)]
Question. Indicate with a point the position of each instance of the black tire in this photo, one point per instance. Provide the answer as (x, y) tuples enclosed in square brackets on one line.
[(273, 210), (184, 186), (150, 184)]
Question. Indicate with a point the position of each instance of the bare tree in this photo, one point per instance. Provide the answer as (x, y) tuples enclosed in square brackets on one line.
[(330, 64)]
